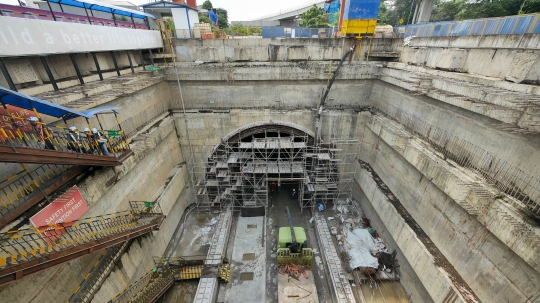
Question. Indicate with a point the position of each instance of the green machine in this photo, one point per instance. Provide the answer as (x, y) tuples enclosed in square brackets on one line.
[(292, 245)]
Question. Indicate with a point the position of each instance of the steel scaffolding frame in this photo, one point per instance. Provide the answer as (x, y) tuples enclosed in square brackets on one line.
[(239, 170), (330, 176)]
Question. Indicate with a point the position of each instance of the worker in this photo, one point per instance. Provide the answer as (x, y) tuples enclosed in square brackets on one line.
[(74, 140), (98, 136), (38, 129), (273, 186)]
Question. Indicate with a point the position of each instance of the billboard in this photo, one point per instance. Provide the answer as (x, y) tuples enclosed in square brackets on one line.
[(23, 125), (25, 37), (68, 207)]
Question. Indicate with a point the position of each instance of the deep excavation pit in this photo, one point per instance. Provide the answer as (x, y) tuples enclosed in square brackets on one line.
[(428, 172)]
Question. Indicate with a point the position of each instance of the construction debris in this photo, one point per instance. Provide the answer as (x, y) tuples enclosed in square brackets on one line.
[(293, 270)]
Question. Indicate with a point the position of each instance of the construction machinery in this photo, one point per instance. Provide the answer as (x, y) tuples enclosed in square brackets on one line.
[(292, 245)]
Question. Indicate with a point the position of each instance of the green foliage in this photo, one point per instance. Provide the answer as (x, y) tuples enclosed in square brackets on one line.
[(447, 10), (313, 17), (121, 18), (223, 18), (204, 19), (207, 4), (241, 30), (169, 24)]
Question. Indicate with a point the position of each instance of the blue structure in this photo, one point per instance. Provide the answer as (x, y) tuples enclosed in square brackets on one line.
[(359, 17), (509, 25), (332, 10)]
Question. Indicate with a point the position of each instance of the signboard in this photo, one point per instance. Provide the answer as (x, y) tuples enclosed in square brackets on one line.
[(66, 208), (24, 125), (25, 37), (113, 133)]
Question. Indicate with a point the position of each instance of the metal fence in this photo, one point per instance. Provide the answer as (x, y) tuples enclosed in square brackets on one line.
[(510, 25), (297, 32)]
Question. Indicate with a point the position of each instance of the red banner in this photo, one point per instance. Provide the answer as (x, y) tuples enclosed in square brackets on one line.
[(24, 125), (66, 208)]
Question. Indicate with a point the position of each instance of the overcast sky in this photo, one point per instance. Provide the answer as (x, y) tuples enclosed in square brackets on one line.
[(239, 10)]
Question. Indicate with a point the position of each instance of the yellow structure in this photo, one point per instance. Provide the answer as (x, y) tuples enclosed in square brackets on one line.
[(358, 27)]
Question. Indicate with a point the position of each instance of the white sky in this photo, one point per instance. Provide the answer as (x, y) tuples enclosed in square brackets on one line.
[(239, 10)]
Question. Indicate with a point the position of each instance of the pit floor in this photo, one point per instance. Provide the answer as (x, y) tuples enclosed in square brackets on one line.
[(195, 232)]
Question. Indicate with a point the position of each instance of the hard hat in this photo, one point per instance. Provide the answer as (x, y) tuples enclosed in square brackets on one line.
[(33, 119), (73, 128), (86, 129), (94, 130)]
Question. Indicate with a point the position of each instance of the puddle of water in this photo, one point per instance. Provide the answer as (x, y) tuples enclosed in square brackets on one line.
[(392, 292)]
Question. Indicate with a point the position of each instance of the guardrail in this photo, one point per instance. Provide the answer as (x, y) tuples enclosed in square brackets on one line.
[(62, 140), (510, 25), (27, 251), (23, 190), (148, 288), (297, 32), (40, 14)]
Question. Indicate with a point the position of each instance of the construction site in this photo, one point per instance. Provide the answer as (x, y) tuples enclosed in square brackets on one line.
[(141, 166)]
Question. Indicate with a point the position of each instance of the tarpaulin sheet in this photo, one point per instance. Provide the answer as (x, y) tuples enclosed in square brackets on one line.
[(360, 245)]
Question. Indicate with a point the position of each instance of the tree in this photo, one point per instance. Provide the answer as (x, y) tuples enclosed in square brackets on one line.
[(204, 19), (313, 17), (241, 30), (223, 18), (207, 4), (447, 10)]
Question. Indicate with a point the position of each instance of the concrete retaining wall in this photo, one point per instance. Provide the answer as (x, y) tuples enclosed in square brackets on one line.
[(515, 58)]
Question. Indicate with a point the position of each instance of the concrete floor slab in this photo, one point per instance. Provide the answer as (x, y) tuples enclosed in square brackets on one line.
[(248, 241), (297, 291)]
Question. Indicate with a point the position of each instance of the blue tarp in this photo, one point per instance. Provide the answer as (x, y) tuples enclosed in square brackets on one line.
[(103, 7), (213, 16), (90, 112), (361, 9), (332, 10), (43, 107)]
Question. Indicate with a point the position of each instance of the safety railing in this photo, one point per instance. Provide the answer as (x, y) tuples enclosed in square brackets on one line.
[(98, 274), (509, 25), (40, 14), (499, 173), (15, 188), (284, 256), (30, 250), (297, 32), (62, 140), (19, 189), (148, 288)]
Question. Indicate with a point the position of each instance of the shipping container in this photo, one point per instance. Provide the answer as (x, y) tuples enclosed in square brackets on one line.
[(359, 17)]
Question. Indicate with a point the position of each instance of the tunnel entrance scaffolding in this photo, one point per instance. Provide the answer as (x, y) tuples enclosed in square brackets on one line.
[(240, 172), (331, 175)]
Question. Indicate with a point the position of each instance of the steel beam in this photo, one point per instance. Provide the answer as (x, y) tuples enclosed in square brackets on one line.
[(77, 71), (49, 73), (130, 63), (7, 75), (22, 270), (97, 66), (43, 156), (151, 57), (115, 63), (142, 60)]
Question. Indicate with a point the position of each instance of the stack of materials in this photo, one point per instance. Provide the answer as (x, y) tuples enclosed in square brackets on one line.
[(293, 270)]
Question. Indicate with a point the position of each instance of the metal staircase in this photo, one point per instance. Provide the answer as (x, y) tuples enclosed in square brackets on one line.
[(23, 190), (27, 251), (154, 284)]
